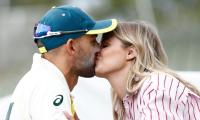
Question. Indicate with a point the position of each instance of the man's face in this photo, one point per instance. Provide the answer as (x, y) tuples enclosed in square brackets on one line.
[(86, 55)]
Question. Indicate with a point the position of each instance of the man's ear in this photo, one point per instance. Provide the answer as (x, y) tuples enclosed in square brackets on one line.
[(70, 46), (131, 53)]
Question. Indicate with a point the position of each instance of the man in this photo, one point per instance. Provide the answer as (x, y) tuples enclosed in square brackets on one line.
[(66, 39)]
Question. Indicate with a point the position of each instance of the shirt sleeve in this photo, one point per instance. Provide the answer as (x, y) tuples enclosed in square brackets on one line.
[(50, 104), (192, 107)]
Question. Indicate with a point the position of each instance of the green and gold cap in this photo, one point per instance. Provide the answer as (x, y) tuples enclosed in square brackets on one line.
[(67, 22)]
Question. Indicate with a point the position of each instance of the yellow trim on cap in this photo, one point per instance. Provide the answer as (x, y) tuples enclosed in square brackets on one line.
[(104, 30), (42, 50)]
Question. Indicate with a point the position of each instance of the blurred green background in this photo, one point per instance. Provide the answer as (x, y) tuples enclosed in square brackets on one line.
[(178, 22)]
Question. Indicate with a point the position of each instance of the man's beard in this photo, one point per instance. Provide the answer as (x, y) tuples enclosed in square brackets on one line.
[(85, 66)]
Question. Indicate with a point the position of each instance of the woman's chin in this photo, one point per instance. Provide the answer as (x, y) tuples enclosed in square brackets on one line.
[(98, 73)]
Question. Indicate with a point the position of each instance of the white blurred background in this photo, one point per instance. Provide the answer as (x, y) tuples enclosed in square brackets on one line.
[(177, 22)]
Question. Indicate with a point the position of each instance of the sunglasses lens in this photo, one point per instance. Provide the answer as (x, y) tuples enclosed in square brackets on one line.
[(41, 30)]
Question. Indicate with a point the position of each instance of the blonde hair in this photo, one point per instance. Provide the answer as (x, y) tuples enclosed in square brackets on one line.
[(151, 57)]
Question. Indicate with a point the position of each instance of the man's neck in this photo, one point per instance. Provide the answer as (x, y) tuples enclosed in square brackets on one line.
[(65, 67), (71, 79)]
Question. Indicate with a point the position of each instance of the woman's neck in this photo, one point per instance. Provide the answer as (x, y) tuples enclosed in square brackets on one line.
[(117, 80)]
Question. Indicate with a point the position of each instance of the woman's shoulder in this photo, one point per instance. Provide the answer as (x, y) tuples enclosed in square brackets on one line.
[(161, 81)]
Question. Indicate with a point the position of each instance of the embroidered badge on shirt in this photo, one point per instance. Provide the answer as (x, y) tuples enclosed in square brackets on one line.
[(58, 100)]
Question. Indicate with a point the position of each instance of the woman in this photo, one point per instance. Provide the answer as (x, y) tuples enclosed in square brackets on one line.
[(134, 61)]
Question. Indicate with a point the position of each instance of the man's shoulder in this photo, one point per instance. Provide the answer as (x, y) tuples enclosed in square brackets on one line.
[(38, 80)]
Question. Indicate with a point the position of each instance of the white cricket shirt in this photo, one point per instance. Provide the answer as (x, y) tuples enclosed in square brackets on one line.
[(42, 94)]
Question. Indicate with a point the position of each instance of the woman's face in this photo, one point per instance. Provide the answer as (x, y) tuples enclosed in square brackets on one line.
[(111, 58)]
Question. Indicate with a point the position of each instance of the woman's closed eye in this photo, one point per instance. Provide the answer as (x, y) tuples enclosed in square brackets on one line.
[(104, 45)]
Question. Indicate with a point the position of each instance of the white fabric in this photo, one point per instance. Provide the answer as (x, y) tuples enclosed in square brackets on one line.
[(35, 93)]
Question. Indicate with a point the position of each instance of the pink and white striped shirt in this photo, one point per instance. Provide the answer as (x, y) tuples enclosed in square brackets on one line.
[(162, 97)]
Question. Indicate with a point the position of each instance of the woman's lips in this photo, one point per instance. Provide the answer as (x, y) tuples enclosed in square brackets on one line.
[(97, 59)]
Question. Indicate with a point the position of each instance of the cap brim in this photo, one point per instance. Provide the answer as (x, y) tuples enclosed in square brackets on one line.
[(103, 26)]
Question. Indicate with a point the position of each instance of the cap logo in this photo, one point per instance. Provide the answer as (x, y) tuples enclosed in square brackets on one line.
[(63, 14)]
